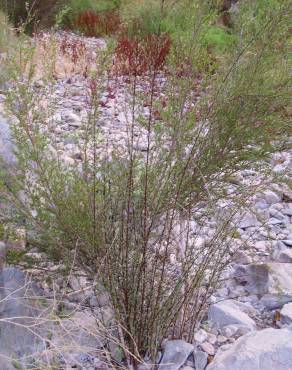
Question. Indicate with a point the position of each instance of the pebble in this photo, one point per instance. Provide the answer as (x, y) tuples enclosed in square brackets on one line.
[(208, 348)]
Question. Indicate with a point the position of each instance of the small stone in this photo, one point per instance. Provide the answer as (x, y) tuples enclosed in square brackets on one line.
[(242, 258), (271, 197), (212, 338), (208, 348), (248, 220), (73, 120), (229, 330), (201, 336), (221, 339), (261, 245)]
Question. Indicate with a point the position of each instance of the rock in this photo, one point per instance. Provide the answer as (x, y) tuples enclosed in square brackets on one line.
[(18, 311), (234, 330), (285, 256), (208, 348), (286, 314), (175, 354), (78, 337), (73, 120), (221, 339), (227, 313), (201, 336), (288, 242), (201, 359), (212, 338), (262, 245), (271, 197), (270, 278), (248, 220), (273, 301), (242, 258), (262, 350)]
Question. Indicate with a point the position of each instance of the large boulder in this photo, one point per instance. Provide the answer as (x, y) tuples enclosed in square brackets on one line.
[(263, 350), (20, 324), (272, 281), (229, 312)]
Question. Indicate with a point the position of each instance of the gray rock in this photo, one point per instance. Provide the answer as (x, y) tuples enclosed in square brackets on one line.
[(271, 197), (175, 354), (6, 146), (201, 359), (269, 278), (248, 220), (288, 242), (286, 314), (285, 256), (274, 301), (263, 350), (227, 313), (18, 311)]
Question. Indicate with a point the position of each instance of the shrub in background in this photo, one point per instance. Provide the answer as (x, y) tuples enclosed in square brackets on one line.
[(33, 14), (93, 18)]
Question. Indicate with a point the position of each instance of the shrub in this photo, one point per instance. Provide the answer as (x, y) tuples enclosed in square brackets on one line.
[(93, 18), (92, 24), (129, 218), (32, 14), (137, 57)]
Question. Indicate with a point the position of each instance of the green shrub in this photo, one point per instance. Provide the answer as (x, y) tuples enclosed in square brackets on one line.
[(218, 38)]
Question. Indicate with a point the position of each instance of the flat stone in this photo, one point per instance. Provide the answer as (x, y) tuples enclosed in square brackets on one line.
[(260, 350), (175, 354), (227, 313)]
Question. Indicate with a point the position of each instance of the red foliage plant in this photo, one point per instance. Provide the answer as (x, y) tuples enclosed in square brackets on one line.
[(93, 24), (74, 49), (137, 57)]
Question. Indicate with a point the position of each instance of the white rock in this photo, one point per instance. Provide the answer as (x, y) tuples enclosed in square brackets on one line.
[(208, 348), (286, 314), (227, 313), (200, 336), (267, 349)]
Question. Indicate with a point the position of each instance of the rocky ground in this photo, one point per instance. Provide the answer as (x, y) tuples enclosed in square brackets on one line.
[(249, 322)]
